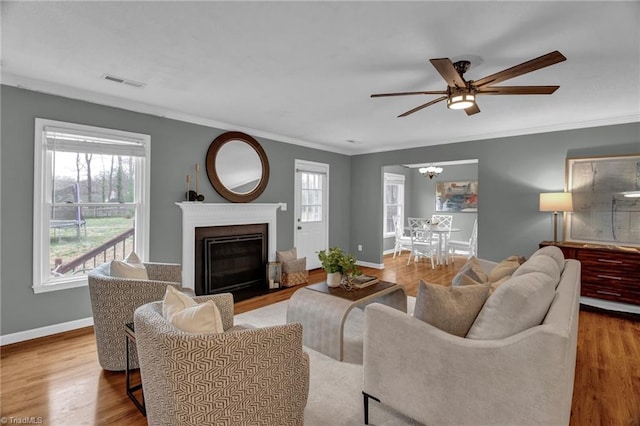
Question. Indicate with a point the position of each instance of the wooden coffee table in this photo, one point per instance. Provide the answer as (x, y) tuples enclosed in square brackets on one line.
[(322, 311)]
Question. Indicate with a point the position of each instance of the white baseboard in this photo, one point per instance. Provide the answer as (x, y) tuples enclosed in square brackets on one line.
[(610, 306), (370, 265), (48, 330)]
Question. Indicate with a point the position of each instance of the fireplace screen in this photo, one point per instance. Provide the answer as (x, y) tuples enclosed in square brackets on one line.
[(233, 263)]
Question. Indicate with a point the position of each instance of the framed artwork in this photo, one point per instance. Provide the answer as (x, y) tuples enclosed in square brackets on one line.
[(606, 200), (457, 196)]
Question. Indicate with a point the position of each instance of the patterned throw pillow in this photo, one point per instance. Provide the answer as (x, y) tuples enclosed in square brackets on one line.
[(451, 309), (131, 267)]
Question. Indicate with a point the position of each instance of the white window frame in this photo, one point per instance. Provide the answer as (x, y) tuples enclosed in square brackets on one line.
[(42, 184), (393, 179)]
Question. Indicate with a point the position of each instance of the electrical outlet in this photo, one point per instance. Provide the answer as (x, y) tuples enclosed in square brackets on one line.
[(359, 247)]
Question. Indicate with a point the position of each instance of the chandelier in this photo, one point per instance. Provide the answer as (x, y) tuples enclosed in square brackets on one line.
[(430, 171)]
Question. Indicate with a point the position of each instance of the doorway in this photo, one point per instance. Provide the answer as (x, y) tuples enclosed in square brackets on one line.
[(311, 202)]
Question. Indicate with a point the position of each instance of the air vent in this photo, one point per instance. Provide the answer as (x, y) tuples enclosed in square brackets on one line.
[(122, 80)]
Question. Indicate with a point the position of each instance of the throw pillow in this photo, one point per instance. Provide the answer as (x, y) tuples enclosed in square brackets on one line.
[(175, 301), (471, 269), (451, 309), (297, 265), (286, 256), (131, 267), (504, 268), (203, 318), (187, 315), (520, 303)]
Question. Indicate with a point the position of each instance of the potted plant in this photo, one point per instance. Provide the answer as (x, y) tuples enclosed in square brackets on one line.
[(337, 264)]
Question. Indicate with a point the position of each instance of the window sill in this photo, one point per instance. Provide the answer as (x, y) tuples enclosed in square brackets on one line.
[(45, 288)]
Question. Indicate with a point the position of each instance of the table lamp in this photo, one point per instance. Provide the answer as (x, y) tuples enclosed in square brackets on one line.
[(556, 202)]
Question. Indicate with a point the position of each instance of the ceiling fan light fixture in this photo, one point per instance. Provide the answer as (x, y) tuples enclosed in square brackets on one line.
[(461, 101)]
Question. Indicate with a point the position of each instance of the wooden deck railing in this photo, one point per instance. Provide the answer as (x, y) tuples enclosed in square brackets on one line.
[(98, 255)]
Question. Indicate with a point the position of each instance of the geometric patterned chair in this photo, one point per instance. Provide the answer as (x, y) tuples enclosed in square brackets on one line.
[(113, 301), (240, 377)]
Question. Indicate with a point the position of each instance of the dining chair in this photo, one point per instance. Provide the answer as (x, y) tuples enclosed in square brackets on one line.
[(442, 223), (403, 242), (421, 240), (468, 247)]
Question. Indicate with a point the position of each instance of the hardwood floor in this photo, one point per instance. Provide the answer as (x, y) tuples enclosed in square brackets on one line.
[(58, 378)]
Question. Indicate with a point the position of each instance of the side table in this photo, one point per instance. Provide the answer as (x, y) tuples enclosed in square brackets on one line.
[(130, 336)]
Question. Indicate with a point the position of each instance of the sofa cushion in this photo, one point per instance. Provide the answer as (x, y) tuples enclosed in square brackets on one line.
[(451, 309), (131, 267), (203, 318), (286, 256), (470, 269), (543, 264), (554, 252), (520, 303)]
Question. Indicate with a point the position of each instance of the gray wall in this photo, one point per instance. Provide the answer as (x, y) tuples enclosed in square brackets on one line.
[(511, 174), (175, 148)]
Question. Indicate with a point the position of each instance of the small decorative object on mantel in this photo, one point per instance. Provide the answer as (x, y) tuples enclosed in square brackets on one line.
[(193, 195), (340, 267)]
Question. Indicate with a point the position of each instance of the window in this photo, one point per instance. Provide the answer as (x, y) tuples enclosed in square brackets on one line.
[(311, 192), (91, 200), (393, 202)]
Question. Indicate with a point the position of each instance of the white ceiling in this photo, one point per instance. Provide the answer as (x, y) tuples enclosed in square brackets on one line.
[(302, 72)]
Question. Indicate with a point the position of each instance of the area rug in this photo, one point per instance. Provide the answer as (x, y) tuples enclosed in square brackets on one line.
[(335, 388)]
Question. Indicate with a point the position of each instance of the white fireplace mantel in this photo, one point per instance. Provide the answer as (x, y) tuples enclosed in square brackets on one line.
[(196, 215)]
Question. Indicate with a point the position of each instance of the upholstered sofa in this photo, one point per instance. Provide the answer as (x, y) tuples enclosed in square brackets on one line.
[(439, 378), (113, 300), (243, 376)]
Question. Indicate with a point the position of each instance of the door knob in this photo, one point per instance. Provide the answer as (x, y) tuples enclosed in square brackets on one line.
[(299, 227)]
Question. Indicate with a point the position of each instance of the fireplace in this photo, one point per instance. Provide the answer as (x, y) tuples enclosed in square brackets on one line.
[(231, 258), (221, 215)]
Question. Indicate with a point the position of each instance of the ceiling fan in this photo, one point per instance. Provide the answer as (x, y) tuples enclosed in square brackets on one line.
[(461, 94)]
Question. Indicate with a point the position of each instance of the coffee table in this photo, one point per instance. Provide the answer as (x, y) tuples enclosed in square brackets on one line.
[(322, 311)]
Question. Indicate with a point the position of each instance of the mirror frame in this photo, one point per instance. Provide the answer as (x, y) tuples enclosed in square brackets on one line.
[(212, 173)]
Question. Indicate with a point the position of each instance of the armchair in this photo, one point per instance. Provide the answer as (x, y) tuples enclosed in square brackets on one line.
[(113, 301), (241, 376)]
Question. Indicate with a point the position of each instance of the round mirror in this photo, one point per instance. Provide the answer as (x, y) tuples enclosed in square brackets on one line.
[(237, 167)]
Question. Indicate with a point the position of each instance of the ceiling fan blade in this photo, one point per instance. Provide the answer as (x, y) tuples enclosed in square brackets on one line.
[(472, 109), (448, 72), (411, 111), (523, 68), (437, 92), (517, 90)]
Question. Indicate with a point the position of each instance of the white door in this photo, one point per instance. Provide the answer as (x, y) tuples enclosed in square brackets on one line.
[(311, 232)]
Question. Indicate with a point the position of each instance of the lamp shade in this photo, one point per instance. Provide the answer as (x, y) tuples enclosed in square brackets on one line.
[(556, 202)]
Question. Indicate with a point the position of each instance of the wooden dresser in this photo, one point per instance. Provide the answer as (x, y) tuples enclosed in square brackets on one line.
[(608, 273)]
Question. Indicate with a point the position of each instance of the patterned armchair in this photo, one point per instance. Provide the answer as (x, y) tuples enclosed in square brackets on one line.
[(239, 377), (113, 301)]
